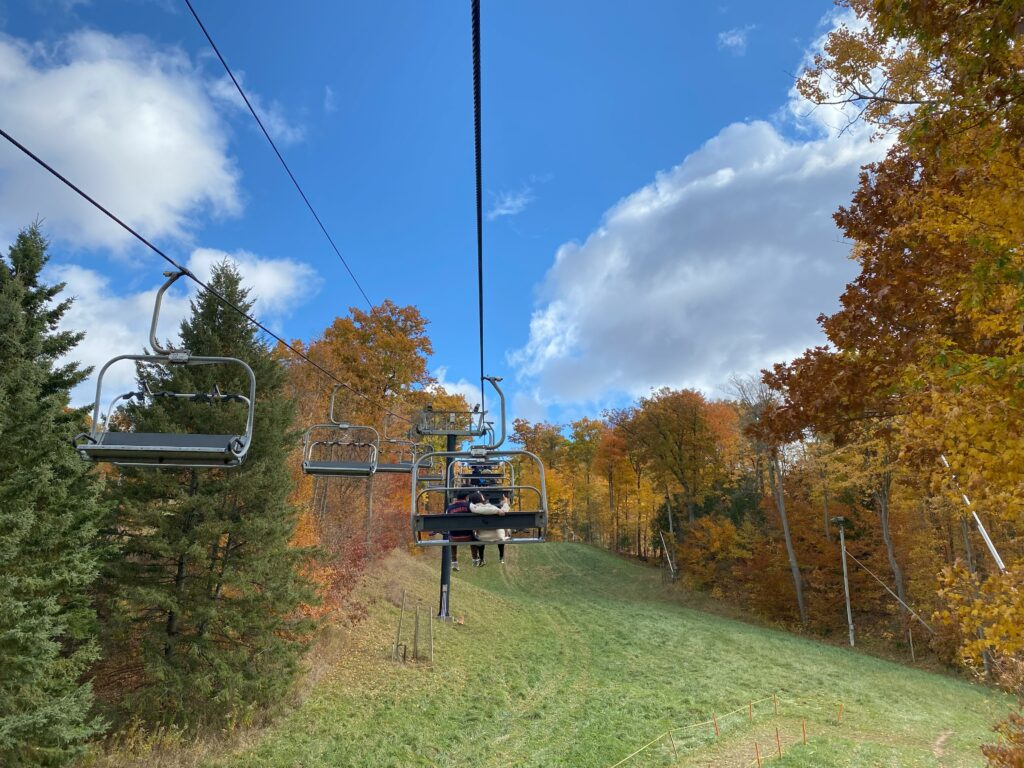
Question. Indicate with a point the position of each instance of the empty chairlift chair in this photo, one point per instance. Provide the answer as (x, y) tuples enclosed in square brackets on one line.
[(102, 443), (337, 449), (402, 452)]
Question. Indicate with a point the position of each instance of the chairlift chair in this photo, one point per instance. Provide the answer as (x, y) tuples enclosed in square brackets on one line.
[(528, 525), (167, 449), (338, 449), (433, 423)]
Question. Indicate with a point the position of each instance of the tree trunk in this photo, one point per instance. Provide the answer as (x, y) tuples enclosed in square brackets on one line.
[(965, 530), (828, 532), (612, 512), (171, 627), (882, 504), (668, 510), (775, 480)]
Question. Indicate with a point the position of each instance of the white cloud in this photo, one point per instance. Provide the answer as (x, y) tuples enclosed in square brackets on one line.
[(277, 285), (330, 101), (719, 266), (735, 40), (836, 119), (468, 389), (131, 123), (117, 323), (280, 128), (510, 203)]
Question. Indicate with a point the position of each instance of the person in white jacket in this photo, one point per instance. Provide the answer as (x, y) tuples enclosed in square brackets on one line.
[(479, 505)]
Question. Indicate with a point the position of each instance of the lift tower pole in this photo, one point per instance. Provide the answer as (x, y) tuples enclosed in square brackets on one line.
[(446, 552)]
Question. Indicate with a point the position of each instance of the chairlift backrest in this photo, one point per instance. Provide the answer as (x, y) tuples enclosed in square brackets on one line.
[(343, 450), (168, 449)]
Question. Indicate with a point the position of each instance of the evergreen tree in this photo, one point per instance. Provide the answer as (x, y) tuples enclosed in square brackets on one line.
[(49, 512), (206, 599)]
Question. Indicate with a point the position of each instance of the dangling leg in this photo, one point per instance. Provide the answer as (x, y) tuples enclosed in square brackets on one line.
[(455, 557), (501, 553)]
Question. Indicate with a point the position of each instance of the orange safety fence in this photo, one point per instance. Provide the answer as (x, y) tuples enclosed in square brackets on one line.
[(760, 756)]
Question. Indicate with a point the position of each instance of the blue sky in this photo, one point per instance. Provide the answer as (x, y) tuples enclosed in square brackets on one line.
[(658, 200)]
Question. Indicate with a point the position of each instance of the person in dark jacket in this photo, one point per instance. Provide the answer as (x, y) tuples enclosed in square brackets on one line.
[(460, 507)]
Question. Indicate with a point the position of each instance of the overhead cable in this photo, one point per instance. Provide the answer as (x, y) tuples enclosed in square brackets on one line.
[(475, 12), (188, 273), (298, 187)]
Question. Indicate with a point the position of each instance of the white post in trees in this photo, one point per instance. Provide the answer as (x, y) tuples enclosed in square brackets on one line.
[(841, 522)]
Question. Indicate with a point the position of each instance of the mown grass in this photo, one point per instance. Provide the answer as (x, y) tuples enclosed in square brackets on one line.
[(572, 657)]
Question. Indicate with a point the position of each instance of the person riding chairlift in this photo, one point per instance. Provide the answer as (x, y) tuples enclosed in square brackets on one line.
[(460, 507), (479, 505)]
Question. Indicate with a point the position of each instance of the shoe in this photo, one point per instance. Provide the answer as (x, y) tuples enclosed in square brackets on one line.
[(455, 566), (481, 563), (502, 561), (476, 563)]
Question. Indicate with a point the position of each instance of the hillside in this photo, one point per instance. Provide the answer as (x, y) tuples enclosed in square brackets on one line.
[(570, 656)]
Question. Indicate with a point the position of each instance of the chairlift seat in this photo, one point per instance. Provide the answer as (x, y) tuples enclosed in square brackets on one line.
[(442, 523), (398, 468), (166, 449), (337, 468)]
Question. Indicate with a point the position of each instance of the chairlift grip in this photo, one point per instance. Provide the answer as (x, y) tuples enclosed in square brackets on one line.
[(172, 278), (501, 399)]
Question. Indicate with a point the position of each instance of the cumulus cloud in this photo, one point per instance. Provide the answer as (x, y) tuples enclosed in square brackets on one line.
[(735, 40), (277, 285), (271, 113), (718, 266), (131, 123), (468, 389), (116, 322)]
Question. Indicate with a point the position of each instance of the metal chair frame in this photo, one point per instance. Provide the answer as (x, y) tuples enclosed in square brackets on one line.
[(167, 449), (311, 466)]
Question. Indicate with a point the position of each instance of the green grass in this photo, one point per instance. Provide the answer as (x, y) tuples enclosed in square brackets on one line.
[(572, 657)]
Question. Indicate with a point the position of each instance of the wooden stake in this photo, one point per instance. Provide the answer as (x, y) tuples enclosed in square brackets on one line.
[(775, 703), (803, 727), (430, 626), (398, 637), (672, 741), (757, 753), (714, 719), (751, 709), (910, 634), (839, 717), (778, 741), (416, 635)]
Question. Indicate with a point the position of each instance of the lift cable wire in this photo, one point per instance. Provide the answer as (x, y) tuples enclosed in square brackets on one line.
[(277, 152), (479, 187), (188, 273)]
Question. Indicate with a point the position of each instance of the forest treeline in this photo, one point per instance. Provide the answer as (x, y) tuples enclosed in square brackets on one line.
[(135, 598), (924, 364)]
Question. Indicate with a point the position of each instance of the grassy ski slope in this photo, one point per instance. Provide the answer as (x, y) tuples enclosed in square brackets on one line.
[(572, 657)]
